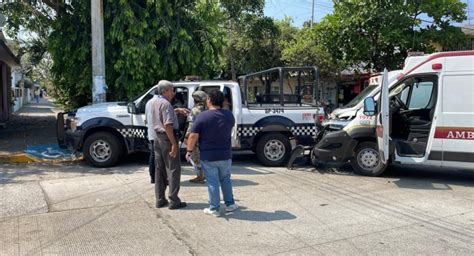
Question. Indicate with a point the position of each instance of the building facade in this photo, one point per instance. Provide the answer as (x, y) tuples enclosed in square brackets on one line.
[(7, 61)]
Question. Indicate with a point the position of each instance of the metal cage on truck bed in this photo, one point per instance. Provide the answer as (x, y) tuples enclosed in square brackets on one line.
[(271, 97)]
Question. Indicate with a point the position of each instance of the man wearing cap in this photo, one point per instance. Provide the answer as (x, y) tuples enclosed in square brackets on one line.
[(167, 159), (200, 99)]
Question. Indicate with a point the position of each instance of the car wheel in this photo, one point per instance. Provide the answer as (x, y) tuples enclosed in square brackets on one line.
[(102, 149), (367, 160), (273, 149)]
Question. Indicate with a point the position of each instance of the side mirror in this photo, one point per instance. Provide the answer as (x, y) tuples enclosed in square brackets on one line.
[(132, 109), (369, 106)]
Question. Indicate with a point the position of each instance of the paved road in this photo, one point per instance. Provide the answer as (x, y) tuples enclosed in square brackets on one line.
[(76, 209)]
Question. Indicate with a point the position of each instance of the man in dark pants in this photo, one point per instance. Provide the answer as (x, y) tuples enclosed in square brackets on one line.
[(167, 159)]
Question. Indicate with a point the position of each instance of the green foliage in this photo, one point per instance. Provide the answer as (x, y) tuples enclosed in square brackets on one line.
[(252, 38), (156, 40), (145, 41), (256, 44), (307, 49), (379, 33)]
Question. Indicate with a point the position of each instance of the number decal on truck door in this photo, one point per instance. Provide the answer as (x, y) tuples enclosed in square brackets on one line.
[(274, 110)]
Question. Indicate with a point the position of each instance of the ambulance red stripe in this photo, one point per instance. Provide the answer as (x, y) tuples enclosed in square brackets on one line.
[(454, 133)]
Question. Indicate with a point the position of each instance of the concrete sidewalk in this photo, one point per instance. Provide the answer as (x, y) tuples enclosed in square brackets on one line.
[(34, 124), (76, 209)]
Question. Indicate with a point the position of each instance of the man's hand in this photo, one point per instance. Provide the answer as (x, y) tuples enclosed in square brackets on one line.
[(183, 111), (188, 156), (174, 150)]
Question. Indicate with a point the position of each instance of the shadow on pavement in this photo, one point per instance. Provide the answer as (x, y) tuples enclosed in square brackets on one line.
[(410, 177), (235, 183), (429, 178), (244, 214)]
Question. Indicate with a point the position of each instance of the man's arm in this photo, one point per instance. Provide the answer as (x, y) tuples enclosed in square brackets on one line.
[(170, 133), (183, 111), (192, 139)]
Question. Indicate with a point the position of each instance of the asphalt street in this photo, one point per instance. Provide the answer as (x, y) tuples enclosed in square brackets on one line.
[(76, 209)]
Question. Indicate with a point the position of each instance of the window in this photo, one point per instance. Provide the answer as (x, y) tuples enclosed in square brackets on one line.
[(404, 94), (228, 98), (421, 95), (208, 89), (416, 93), (180, 99), (142, 104)]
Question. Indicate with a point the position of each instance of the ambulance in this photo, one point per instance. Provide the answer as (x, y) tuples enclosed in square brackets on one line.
[(426, 117), (340, 117)]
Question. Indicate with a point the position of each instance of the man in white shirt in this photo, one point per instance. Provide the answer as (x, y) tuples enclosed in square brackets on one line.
[(151, 135)]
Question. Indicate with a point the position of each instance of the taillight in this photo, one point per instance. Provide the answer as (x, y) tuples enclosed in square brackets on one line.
[(319, 117)]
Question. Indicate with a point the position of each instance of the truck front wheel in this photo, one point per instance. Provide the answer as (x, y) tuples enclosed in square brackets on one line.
[(102, 149), (273, 149), (367, 160)]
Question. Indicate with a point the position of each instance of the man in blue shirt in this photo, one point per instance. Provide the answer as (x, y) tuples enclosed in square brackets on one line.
[(213, 130)]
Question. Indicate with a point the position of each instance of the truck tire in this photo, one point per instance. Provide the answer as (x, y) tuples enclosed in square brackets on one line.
[(367, 160), (102, 149), (273, 149)]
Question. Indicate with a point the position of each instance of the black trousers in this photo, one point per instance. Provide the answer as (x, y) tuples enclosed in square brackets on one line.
[(151, 161)]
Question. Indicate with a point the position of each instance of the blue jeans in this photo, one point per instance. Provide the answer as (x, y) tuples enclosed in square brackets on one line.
[(218, 173)]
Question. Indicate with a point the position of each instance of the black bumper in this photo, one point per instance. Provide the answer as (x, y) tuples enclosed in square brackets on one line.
[(73, 140), (335, 146)]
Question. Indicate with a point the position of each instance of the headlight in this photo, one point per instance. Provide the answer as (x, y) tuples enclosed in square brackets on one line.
[(71, 123)]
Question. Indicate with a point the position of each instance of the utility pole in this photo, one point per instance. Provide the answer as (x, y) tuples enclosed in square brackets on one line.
[(99, 87), (312, 14)]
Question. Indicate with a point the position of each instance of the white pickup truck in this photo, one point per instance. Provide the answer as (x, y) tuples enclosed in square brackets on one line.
[(268, 124)]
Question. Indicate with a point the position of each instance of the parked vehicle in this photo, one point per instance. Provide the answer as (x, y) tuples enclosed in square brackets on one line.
[(425, 118), (267, 123), (343, 115)]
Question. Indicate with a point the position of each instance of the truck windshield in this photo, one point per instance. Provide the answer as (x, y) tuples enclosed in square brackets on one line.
[(361, 96)]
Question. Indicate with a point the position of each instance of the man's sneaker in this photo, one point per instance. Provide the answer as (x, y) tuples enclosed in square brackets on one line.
[(212, 212), (232, 207)]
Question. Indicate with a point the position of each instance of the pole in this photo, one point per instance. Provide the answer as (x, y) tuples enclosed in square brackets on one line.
[(98, 53), (312, 14)]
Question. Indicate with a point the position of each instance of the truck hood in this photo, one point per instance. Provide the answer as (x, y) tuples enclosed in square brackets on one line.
[(103, 108), (343, 113), (114, 110)]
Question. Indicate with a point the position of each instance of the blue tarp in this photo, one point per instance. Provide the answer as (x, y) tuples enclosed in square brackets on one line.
[(52, 152)]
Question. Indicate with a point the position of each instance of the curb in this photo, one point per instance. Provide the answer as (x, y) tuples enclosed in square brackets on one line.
[(22, 158)]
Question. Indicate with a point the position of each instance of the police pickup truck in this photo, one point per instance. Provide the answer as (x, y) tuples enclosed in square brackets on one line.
[(272, 115)]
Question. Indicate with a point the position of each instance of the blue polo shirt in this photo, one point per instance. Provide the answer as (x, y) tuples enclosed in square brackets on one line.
[(215, 134)]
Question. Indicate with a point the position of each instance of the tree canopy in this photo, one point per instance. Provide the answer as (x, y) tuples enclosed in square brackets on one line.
[(145, 41), (380, 33)]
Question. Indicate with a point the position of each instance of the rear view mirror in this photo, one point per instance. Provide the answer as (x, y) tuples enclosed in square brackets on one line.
[(369, 106), (132, 108)]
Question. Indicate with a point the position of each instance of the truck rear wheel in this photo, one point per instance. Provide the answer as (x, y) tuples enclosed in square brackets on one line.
[(367, 160), (273, 149), (102, 149)]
